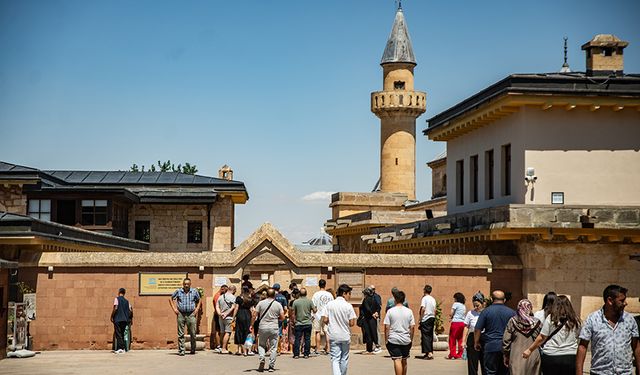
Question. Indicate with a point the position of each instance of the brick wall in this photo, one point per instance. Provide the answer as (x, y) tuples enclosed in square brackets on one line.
[(12, 200)]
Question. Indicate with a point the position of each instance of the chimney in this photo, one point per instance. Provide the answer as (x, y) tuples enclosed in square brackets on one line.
[(604, 55), (225, 172)]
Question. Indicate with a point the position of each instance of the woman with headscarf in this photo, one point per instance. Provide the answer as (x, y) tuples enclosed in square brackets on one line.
[(369, 313), (243, 320), (474, 357), (520, 333)]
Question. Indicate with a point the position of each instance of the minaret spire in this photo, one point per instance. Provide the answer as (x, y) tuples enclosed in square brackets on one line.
[(565, 66), (399, 48)]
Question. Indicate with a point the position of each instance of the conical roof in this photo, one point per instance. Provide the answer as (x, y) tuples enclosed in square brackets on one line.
[(398, 47)]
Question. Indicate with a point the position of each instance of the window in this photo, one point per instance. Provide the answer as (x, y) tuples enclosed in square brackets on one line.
[(460, 182), (40, 209), (194, 232), (473, 183), (506, 170), (398, 85), (143, 231), (94, 212), (488, 174)]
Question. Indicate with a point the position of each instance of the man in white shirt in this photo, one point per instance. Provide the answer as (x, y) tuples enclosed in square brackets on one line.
[(339, 316), (399, 326), (320, 300), (427, 321), (269, 313)]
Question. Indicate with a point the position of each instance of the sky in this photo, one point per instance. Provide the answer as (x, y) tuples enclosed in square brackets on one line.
[(278, 90)]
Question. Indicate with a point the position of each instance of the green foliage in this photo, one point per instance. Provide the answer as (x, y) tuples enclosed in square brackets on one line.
[(439, 322), (166, 166), (201, 292), (24, 288)]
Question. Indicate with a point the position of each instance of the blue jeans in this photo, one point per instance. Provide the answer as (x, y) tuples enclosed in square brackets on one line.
[(494, 364), (339, 356), (302, 330)]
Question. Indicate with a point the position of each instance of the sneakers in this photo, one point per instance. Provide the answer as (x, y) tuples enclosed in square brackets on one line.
[(217, 350), (119, 351), (377, 350), (181, 354), (261, 365), (272, 369)]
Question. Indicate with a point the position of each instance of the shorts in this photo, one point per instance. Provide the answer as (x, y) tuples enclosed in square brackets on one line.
[(319, 326), (225, 325), (398, 351)]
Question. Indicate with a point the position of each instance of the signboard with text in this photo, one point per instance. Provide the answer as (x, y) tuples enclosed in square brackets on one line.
[(159, 283), (354, 280)]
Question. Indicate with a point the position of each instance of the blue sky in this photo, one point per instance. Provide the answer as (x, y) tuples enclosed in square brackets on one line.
[(279, 90)]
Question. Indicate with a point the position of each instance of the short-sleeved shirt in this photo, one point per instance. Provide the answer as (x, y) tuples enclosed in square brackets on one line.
[(226, 302), (610, 346), (458, 312), (303, 307), (320, 300), (271, 317), (282, 300), (540, 315), (400, 320), (186, 301), (564, 342), (123, 310), (339, 312), (493, 320), (471, 319), (428, 305)]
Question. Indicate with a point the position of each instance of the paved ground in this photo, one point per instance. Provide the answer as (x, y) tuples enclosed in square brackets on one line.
[(167, 362)]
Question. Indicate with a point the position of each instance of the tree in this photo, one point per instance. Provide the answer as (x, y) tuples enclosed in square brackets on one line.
[(166, 166)]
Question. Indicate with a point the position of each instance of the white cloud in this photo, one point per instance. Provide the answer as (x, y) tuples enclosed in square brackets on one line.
[(318, 196)]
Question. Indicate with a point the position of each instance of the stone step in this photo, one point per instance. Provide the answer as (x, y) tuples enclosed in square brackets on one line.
[(199, 337), (199, 345)]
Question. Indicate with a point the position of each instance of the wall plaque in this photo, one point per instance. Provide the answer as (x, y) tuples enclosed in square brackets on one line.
[(159, 283), (354, 280)]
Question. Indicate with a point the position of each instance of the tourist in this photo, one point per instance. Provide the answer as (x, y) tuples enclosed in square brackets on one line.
[(121, 316), (558, 339), (489, 331), (378, 299), (474, 357), (295, 294), (369, 313), (246, 282), (522, 330), (339, 316), (399, 326), (427, 322), (303, 308), (218, 333), (613, 334), (268, 314), (547, 302), (244, 304), (227, 309), (284, 302), (458, 311), (391, 302), (186, 303), (320, 300)]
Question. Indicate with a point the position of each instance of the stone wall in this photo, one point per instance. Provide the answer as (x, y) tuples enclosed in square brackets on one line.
[(13, 200), (581, 271), (345, 203), (4, 298), (169, 225)]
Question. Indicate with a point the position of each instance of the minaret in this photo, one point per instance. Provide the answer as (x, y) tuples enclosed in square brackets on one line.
[(565, 67), (398, 106)]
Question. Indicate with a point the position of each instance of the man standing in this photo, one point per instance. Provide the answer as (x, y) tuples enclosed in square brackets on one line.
[(186, 303), (268, 313), (493, 320), (227, 310), (613, 334), (339, 316), (391, 302), (302, 308), (121, 318), (219, 333), (320, 300), (282, 299), (427, 321), (399, 326)]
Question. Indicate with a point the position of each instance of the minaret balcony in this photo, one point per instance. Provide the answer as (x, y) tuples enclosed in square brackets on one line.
[(390, 103)]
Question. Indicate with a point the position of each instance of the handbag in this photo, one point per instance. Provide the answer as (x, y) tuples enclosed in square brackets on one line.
[(360, 321), (256, 324)]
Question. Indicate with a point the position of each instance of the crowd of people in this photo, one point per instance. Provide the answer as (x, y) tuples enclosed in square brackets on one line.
[(493, 338)]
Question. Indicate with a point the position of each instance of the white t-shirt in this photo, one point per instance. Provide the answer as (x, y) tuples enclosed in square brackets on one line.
[(320, 300), (565, 342), (539, 315), (471, 319), (429, 305), (458, 312), (269, 317), (339, 312), (400, 320)]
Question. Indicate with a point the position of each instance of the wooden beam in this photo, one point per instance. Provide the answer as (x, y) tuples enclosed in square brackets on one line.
[(570, 107), (594, 108)]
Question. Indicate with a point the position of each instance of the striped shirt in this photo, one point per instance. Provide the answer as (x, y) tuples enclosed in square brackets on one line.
[(186, 301), (610, 346)]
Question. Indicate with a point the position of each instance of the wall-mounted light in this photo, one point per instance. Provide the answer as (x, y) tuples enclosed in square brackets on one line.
[(330, 268), (530, 177), (50, 268), (201, 268)]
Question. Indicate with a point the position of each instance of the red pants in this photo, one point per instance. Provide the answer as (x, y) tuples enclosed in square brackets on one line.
[(455, 337)]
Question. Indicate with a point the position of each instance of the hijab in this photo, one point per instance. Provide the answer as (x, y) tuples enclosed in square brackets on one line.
[(525, 322)]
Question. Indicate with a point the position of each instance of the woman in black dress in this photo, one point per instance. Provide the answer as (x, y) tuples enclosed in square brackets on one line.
[(243, 320), (369, 313)]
